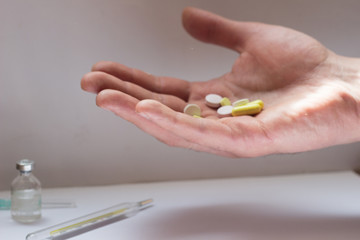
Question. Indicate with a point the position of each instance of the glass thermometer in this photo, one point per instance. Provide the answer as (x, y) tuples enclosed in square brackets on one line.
[(89, 222)]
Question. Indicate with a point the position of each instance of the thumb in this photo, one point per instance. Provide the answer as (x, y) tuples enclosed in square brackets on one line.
[(211, 28)]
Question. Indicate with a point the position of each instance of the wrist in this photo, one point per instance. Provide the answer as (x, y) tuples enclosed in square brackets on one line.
[(342, 77), (350, 76)]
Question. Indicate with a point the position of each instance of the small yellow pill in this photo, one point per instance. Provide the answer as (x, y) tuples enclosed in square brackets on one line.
[(196, 116), (258, 101), (247, 109), (225, 102)]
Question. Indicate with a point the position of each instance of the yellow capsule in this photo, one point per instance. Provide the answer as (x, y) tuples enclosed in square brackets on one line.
[(225, 102), (247, 109), (258, 101), (196, 116)]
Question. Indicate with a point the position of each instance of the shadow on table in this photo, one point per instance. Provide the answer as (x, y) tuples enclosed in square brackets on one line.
[(251, 221)]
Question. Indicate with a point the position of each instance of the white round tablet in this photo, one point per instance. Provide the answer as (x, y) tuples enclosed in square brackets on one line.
[(225, 111), (213, 100), (192, 110)]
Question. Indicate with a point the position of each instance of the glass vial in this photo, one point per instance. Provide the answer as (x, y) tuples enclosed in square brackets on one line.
[(25, 194)]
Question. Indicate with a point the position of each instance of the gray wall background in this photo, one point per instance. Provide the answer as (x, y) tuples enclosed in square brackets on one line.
[(47, 46)]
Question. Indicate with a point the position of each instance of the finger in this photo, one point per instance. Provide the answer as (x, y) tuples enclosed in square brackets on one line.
[(146, 106), (243, 138), (211, 28), (164, 85), (124, 106), (189, 128), (95, 82)]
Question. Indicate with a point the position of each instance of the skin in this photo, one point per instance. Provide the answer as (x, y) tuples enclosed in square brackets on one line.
[(311, 94)]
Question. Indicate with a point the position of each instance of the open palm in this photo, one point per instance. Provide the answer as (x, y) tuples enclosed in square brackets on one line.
[(304, 86)]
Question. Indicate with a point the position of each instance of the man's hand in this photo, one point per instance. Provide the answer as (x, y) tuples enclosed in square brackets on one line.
[(311, 95)]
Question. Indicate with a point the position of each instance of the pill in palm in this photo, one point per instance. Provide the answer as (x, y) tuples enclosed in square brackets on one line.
[(240, 102), (213, 100), (225, 111), (258, 101), (192, 110), (225, 101), (247, 109), (238, 108)]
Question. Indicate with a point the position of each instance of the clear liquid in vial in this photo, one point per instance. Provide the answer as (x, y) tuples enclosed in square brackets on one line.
[(26, 205)]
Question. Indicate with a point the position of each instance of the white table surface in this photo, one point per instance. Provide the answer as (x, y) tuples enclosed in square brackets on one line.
[(314, 206)]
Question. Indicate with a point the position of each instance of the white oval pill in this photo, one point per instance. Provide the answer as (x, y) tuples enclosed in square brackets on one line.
[(240, 102), (213, 100), (192, 110), (225, 111)]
